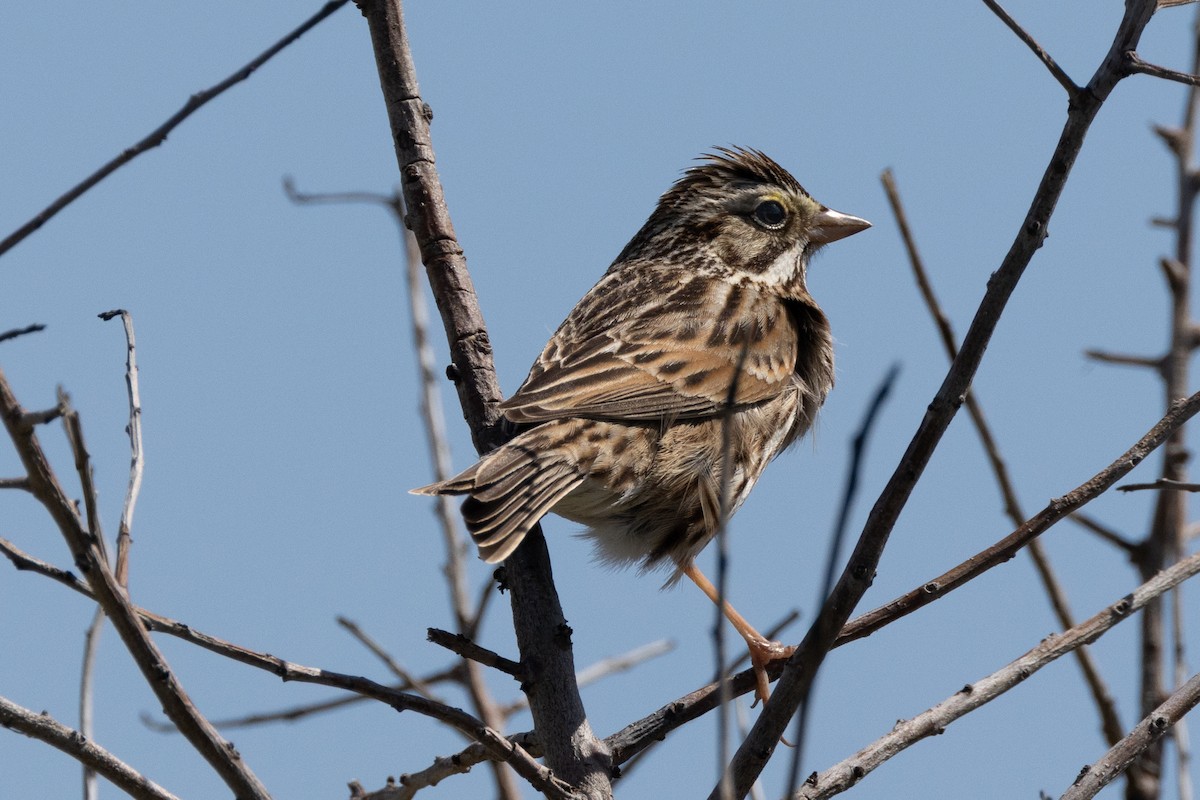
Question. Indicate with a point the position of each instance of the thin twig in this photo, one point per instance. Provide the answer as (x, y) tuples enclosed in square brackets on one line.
[(1104, 532), (136, 458), (1059, 74), (91, 643), (724, 512), (297, 712), (604, 668), (1164, 543), (392, 664), (1179, 732), (408, 784), (82, 748), (15, 332), (1162, 483), (858, 448), (439, 449), (1007, 547), (464, 647), (23, 561), (847, 773), (73, 427), (1136, 64), (1095, 777), (1126, 359), (159, 134)]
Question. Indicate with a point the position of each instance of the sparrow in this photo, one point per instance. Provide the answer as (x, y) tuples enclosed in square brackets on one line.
[(697, 359)]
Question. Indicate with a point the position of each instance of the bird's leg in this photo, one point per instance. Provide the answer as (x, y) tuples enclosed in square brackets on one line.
[(762, 650)]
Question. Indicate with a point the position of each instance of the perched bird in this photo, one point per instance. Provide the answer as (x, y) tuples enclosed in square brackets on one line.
[(697, 358)]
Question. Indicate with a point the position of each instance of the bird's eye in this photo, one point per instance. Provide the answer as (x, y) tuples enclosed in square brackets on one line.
[(770, 214)]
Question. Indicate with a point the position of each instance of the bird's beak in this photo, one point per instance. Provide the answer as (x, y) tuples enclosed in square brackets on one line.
[(830, 225)]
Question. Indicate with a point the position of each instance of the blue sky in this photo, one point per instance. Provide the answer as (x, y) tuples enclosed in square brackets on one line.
[(279, 387)]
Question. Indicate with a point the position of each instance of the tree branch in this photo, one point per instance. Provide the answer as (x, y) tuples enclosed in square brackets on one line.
[(159, 134), (46, 729), (1095, 777), (1059, 74)]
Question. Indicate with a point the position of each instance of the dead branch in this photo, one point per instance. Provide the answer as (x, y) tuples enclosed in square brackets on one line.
[(1096, 776), (46, 729), (159, 134)]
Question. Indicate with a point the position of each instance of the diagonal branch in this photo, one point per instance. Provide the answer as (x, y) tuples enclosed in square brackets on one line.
[(1136, 64), (46, 729), (1059, 74), (1095, 777), (159, 134)]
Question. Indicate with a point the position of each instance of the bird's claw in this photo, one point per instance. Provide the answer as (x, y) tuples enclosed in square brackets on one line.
[(762, 653)]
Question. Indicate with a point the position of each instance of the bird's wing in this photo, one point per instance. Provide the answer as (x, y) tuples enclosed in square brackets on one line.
[(637, 352)]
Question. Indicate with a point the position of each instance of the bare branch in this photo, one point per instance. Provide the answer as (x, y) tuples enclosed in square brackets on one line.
[(393, 666), (15, 332), (73, 427), (857, 449), (606, 667), (1104, 532), (23, 561), (91, 643), (1007, 547), (136, 459), (457, 643), (1126, 360), (46, 729), (443, 767), (1059, 74), (1136, 64), (293, 713), (842, 776), (435, 428), (1161, 483), (159, 134), (88, 556), (1095, 777)]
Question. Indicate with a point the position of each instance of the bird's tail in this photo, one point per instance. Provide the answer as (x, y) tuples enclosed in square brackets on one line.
[(508, 491)]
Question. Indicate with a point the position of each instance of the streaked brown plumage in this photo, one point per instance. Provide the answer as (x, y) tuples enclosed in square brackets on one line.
[(626, 405)]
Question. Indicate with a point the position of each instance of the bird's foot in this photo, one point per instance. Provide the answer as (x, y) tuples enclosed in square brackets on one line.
[(762, 653)]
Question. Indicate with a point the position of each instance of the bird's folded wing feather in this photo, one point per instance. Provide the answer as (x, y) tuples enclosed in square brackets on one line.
[(676, 355)]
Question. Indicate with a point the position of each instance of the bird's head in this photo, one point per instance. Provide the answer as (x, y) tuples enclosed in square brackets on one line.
[(740, 215)]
